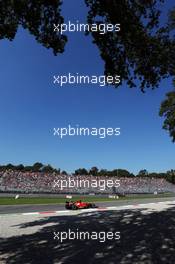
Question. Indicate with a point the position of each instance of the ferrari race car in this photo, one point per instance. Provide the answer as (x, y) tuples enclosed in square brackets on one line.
[(79, 205)]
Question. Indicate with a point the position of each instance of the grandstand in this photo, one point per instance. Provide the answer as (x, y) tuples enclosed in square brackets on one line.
[(40, 182)]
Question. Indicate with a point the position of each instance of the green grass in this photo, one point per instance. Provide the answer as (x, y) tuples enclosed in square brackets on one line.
[(46, 200), (61, 200)]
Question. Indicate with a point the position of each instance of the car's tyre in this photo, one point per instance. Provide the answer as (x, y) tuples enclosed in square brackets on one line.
[(74, 207), (93, 206), (67, 206)]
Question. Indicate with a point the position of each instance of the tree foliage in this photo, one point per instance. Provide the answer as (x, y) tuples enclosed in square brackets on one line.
[(142, 51), (143, 173), (37, 166), (36, 16), (170, 176), (167, 110), (81, 171), (94, 171)]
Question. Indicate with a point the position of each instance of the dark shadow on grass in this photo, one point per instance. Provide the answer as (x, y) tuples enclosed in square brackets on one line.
[(146, 238)]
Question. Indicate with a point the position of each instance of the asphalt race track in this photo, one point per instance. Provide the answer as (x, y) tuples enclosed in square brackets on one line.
[(147, 234), (13, 209)]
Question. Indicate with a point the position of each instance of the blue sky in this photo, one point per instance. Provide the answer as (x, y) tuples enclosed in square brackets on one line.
[(31, 106)]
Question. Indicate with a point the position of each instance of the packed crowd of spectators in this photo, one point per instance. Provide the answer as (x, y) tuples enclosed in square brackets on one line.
[(41, 182)]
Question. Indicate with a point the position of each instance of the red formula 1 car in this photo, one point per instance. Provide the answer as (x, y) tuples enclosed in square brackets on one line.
[(79, 205)]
